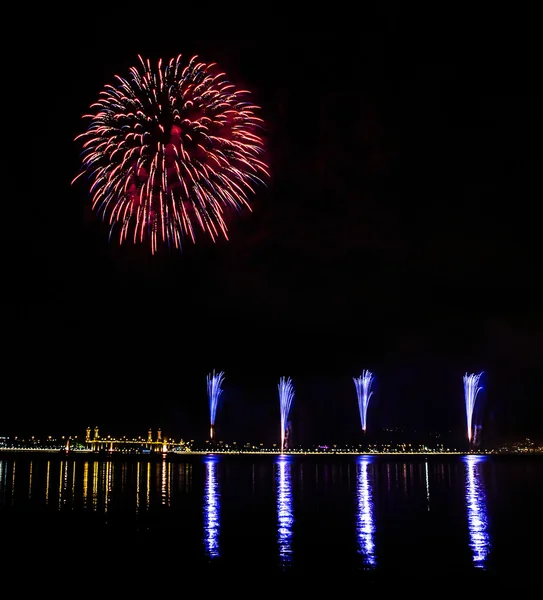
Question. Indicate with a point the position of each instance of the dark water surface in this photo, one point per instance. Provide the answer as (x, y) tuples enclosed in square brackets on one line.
[(253, 523)]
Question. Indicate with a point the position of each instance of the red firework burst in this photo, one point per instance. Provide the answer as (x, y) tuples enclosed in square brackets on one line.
[(169, 151)]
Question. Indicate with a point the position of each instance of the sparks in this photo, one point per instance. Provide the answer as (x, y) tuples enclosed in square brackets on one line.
[(171, 151), (363, 386), (214, 392), (471, 389), (286, 396)]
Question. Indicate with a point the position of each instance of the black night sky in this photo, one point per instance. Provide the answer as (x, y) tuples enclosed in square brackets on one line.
[(400, 232)]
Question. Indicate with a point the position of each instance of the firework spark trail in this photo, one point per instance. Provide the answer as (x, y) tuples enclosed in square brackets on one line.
[(214, 391), (471, 389), (286, 395), (169, 150), (363, 386)]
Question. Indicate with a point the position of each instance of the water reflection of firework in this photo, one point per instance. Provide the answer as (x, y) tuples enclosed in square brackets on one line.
[(365, 527), (477, 512), (211, 508), (285, 513)]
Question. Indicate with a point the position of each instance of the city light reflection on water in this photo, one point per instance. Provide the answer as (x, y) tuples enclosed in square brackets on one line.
[(212, 505), (477, 511), (365, 526), (285, 512), (427, 484)]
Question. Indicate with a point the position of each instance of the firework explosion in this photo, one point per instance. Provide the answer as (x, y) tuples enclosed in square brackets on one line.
[(471, 389), (363, 386), (214, 391), (286, 395), (170, 150)]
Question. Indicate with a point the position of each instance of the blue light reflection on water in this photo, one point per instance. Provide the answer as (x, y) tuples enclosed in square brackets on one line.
[(477, 511), (365, 526), (285, 512), (212, 507)]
